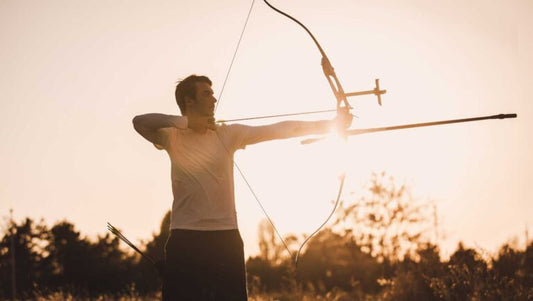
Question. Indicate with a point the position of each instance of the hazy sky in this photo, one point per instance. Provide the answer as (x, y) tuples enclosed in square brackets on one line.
[(74, 73)]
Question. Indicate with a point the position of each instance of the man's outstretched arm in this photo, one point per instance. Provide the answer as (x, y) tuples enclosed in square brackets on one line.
[(291, 129), (149, 125)]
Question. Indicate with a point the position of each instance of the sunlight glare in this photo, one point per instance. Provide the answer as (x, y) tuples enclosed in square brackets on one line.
[(334, 144)]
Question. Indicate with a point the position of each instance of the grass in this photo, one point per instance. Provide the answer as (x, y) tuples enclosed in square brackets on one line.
[(133, 296)]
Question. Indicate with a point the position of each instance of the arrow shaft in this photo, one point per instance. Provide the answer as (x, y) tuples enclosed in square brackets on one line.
[(414, 125), (425, 124)]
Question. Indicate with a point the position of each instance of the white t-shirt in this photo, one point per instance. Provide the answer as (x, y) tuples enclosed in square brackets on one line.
[(202, 169)]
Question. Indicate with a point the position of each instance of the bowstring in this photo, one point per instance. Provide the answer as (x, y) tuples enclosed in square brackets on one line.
[(224, 145)]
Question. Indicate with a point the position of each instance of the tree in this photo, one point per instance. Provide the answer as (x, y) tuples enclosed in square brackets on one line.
[(269, 247), (271, 270), (417, 279), (30, 268), (68, 254), (336, 261), (86, 267), (387, 221)]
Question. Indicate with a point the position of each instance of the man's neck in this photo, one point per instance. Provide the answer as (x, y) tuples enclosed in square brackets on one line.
[(197, 123)]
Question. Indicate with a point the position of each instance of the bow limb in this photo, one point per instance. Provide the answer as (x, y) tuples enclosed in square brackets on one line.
[(328, 69)]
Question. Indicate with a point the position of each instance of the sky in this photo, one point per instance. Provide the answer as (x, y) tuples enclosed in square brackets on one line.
[(75, 73)]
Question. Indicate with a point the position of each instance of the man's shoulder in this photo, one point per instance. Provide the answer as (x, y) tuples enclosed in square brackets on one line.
[(232, 129)]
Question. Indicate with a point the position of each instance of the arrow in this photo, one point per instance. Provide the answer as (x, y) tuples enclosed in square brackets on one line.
[(354, 132)]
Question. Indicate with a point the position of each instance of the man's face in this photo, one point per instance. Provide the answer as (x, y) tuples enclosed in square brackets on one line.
[(204, 102)]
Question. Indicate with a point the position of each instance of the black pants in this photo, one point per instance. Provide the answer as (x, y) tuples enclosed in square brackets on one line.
[(204, 265)]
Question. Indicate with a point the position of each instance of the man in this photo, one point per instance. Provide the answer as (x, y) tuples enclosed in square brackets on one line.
[(204, 253)]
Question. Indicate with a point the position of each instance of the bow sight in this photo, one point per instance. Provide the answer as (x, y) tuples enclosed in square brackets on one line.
[(376, 92), (336, 86)]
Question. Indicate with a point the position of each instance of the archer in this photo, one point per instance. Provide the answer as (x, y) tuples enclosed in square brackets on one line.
[(204, 255)]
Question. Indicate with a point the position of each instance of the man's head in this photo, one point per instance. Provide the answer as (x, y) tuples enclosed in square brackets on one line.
[(195, 93)]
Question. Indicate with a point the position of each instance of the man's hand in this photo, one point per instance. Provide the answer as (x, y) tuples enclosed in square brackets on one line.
[(344, 118)]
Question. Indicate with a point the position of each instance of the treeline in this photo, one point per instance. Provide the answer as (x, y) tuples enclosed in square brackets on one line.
[(334, 268), (382, 246), (376, 248), (59, 259)]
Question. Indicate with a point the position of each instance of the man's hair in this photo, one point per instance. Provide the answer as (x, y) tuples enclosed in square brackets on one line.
[(187, 87)]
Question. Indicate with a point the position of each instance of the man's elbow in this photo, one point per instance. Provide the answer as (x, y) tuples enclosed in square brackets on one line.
[(136, 120), (137, 124)]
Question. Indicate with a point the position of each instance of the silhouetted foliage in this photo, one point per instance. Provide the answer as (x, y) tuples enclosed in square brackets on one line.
[(465, 276), (84, 266), (414, 279), (381, 253), (59, 259), (155, 249), (375, 250), (335, 261), (30, 269), (271, 270), (386, 221), (266, 276), (269, 249)]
